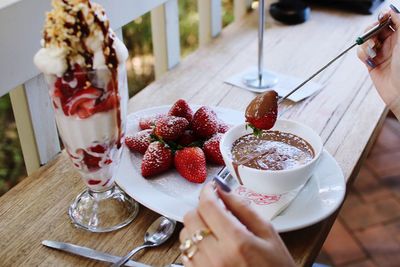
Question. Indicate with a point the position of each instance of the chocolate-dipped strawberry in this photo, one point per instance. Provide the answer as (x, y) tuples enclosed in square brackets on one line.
[(262, 112)]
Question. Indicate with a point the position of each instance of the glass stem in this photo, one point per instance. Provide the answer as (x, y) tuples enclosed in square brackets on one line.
[(103, 194)]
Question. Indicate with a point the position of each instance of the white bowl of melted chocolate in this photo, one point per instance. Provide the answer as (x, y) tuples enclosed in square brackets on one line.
[(272, 161)]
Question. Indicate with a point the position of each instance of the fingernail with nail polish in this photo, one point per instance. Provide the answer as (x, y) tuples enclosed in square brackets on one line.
[(394, 8), (222, 184), (370, 63)]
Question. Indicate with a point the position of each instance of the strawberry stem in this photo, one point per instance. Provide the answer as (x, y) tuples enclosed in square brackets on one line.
[(256, 132), (155, 137), (172, 145)]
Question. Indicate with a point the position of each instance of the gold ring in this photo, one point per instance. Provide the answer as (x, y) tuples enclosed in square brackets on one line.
[(200, 235), (188, 248)]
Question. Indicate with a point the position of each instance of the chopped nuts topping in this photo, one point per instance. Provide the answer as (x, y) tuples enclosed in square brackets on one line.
[(76, 26)]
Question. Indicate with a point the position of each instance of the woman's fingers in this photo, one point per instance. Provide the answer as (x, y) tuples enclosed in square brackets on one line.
[(183, 234), (224, 225), (365, 56), (249, 217), (193, 223), (394, 25), (395, 14), (373, 52), (202, 257)]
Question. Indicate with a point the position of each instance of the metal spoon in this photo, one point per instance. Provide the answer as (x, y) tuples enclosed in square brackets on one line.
[(159, 231)]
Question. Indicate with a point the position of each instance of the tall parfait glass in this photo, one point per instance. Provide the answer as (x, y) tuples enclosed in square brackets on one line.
[(90, 109)]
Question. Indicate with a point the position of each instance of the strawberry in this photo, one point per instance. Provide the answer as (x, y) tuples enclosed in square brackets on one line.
[(93, 182), (170, 128), (157, 159), (181, 109), (85, 112), (149, 122), (109, 103), (98, 149), (205, 122), (212, 151), (85, 99), (187, 138), (64, 89), (190, 162), (262, 111), (222, 127), (139, 142), (91, 161)]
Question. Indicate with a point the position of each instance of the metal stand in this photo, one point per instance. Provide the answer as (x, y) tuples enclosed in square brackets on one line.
[(262, 78)]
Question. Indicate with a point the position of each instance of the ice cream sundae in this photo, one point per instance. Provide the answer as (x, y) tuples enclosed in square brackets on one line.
[(83, 62)]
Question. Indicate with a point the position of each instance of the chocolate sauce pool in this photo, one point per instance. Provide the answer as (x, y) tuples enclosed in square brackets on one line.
[(272, 150)]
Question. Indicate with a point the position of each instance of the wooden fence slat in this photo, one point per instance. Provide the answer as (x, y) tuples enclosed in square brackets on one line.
[(165, 34), (172, 29), (42, 119), (240, 8), (216, 17), (210, 20), (25, 130)]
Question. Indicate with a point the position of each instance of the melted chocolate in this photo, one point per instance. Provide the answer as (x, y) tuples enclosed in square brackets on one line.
[(272, 150)]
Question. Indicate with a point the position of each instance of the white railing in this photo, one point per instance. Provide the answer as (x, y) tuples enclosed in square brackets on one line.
[(21, 23)]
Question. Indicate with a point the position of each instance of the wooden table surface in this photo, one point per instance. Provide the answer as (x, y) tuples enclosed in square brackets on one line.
[(346, 113)]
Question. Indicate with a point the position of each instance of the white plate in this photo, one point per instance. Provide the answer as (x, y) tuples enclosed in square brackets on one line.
[(172, 196)]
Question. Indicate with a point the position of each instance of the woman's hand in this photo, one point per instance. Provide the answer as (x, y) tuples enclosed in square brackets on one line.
[(381, 55), (240, 237)]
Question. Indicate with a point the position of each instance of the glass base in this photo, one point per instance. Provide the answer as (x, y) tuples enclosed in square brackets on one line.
[(268, 80), (103, 211)]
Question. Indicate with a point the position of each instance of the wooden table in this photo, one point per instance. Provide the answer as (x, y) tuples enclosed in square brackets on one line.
[(346, 113)]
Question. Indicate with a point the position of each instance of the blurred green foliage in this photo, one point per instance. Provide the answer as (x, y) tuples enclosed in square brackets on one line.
[(137, 37), (140, 66), (12, 167)]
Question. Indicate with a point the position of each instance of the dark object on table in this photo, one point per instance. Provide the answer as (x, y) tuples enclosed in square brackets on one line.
[(366, 7), (290, 11)]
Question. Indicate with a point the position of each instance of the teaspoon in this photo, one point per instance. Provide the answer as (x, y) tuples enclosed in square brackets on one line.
[(158, 232)]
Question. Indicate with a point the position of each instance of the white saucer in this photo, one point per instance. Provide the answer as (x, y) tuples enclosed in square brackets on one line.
[(172, 196)]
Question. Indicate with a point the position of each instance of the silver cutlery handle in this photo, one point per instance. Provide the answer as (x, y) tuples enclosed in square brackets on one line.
[(89, 253), (130, 254)]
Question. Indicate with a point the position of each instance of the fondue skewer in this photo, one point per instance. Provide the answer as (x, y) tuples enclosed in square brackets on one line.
[(359, 41)]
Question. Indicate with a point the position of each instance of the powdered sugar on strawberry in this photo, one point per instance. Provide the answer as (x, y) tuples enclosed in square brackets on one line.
[(140, 141), (157, 159), (205, 122), (149, 122), (170, 128), (191, 143), (212, 151)]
